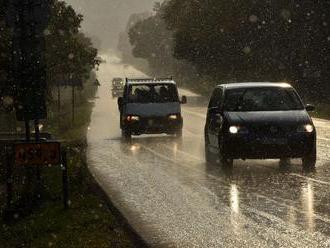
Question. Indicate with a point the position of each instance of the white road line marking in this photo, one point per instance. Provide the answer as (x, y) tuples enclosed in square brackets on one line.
[(195, 113), (310, 179)]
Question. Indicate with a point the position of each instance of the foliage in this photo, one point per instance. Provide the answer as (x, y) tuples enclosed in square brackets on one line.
[(124, 46), (254, 40), (4, 50), (88, 222), (242, 40), (67, 50), (152, 41)]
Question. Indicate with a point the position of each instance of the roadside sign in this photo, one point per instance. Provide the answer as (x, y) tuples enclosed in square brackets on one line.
[(37, 154)]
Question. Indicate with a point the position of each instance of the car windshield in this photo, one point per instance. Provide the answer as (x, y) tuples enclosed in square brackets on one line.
[(145, 93), (116, 83), (262, 99)]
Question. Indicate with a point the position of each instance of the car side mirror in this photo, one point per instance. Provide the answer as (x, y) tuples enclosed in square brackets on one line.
[(218, 118), (310, 107), (183, 100), (214, 110)]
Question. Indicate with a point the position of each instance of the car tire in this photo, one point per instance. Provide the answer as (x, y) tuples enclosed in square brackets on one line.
[(224, 160), (210, 157), (309, 161), (178, 133), (284, 162), (126, 134)]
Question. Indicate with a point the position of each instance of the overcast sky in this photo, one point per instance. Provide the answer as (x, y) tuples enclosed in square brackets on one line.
[(106, 18)]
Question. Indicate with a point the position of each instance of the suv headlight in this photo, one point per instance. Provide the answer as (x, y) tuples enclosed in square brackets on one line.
[(308, 128), (173, 117)]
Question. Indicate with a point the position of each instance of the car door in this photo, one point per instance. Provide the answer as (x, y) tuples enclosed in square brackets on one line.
[(214, 117)]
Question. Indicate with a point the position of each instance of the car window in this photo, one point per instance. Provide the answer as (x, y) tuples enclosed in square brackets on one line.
[(142, 93), (262, 99), (216, 98)]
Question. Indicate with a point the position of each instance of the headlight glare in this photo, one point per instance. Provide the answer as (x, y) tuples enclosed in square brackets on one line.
[(308, 128), (133, 118), (233, 129), (173, 117), (238, 130)]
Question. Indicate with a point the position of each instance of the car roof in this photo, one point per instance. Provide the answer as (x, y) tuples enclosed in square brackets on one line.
[(117, 79), (254, 85), (150, 81)]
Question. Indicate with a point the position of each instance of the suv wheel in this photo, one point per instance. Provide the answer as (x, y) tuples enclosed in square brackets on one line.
[(126, 134), (309, 160)]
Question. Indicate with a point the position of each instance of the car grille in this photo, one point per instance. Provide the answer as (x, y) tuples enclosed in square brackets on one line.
[(272, 131)]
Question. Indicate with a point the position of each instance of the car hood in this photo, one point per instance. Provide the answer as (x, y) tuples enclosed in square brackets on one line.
[(152, 109), (268, 118)]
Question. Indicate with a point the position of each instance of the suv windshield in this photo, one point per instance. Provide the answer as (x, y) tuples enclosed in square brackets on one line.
[(144, 93), (117, 83), (262, 99)]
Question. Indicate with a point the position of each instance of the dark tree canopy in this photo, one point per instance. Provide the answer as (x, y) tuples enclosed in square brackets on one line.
[(242, 40), (152, 41), (67, 50), (249, 40)]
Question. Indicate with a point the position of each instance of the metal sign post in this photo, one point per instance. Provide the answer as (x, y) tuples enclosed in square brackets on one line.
[(65, 180), (9, 179)]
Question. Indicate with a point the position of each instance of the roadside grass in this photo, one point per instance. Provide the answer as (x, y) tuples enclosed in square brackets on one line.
[(88, 222), (322, 110)]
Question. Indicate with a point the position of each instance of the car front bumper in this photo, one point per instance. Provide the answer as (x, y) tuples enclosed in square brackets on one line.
[(248, 147), (153, 125)]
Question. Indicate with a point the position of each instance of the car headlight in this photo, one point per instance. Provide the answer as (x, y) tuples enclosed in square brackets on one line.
[(308, 128), (173, 117), (233, 129), (238, 129), (133, 118)]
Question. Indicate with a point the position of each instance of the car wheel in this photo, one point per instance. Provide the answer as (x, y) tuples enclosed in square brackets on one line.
[(309, 160), (126, 134), (209, 158), (284, 162), (178, 133), (224, 160)]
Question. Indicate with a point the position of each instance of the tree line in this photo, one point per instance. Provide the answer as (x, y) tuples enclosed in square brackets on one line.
[(241, 40), (67, 50)]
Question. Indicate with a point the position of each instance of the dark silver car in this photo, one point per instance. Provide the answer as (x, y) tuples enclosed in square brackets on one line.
[(150, 106), (117, 87), (259, 121)]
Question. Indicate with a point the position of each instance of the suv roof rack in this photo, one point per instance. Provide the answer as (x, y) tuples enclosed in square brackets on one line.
[(148, 79)]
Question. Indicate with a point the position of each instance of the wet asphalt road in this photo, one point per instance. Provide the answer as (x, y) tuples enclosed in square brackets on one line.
[(171, 197)]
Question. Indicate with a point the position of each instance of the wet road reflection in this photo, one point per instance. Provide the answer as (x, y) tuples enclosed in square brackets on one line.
[(173, 198), (307, 198)]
